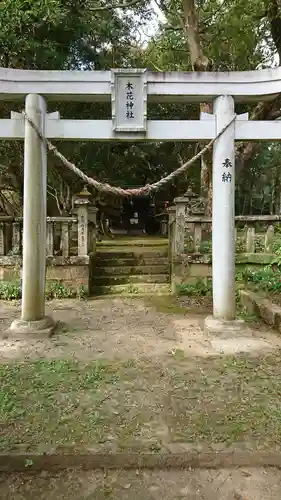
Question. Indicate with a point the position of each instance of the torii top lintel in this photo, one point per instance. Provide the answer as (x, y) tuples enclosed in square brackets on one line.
[(244, 86)]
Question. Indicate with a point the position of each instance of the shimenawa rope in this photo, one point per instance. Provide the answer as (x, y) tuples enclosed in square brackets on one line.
[(107, 188)]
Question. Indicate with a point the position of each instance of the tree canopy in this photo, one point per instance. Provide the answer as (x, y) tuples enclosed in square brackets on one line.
[(217, 35)]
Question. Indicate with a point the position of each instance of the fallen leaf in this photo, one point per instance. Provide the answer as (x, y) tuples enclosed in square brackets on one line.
[(246, 473)]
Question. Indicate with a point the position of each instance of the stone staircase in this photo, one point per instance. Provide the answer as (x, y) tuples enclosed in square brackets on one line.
[(140, 267)]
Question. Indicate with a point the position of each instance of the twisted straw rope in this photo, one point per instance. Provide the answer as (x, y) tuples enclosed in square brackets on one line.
[(107, 188)]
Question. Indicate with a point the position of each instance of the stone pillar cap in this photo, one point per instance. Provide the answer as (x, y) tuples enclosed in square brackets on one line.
[(83, 196)]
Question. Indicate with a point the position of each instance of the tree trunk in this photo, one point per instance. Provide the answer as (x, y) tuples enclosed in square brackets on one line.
[(199, 62), (263, 111), (206, 169)]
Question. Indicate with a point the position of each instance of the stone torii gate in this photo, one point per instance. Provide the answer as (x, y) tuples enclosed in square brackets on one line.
[(130, 91)]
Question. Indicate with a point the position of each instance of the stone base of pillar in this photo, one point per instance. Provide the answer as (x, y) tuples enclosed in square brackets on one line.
[(223, 328), (45, 326)]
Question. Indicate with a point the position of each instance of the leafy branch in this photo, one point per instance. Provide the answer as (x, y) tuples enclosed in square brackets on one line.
[(117, 5)]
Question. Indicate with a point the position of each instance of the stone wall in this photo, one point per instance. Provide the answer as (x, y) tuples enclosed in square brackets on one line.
[(70, 245), (191, 268), (184, 226), (71, 271)]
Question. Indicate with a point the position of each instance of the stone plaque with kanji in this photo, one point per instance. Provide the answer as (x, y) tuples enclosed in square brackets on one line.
[(129, 96)]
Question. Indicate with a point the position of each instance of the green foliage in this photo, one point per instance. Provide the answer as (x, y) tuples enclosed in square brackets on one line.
[(54, 290), (60, 34), (277, 258), (206, 247), (76, 34), (201, 288), (259, 243), (258, 189), (232, 36), (277, 230), (10, 290), (69, 34), (28, 462), (57, 290), (267, 278), (39, 34), (240, 244), (81, 292)]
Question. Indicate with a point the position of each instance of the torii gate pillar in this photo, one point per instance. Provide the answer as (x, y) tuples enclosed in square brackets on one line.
[(223, 219), (33, 319)]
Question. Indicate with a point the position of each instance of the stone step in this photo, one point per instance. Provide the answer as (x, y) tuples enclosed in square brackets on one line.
[(137, 242), (140, 289), (130, 260), (125, 270), (140, 278), (130, 253)]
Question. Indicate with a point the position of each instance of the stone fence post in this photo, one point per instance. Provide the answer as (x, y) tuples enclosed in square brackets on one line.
[(82, 202), (177, 233), (93, 228), (171, 231), (171, 241), (185, 206), (87, 223)]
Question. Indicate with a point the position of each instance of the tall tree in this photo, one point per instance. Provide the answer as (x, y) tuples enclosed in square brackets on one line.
[(204, 35)]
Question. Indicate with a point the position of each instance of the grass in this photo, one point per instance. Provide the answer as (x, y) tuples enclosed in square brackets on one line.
[(11, 290), (166, 304), (182, 305), (141, 404), (265, 281)]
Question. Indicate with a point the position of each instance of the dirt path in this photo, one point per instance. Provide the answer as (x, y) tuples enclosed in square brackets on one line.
[(250, 484), (125, 329), (152, 377)]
